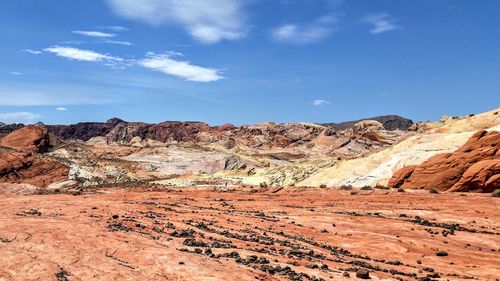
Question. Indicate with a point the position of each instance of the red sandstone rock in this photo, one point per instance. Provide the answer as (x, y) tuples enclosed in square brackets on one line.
[(23, 165), (474, 166), (401, 176), (483, 174), (30, 138)]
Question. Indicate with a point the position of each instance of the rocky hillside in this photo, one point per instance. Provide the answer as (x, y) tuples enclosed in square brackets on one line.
[(429, 139), (390, 123), (83, 131), (367, 152)]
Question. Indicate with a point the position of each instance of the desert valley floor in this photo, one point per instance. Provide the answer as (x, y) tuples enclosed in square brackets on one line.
[(249, 234)]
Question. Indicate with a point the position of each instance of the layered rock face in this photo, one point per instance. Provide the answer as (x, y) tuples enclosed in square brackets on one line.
[(474, 166), (21, 163)]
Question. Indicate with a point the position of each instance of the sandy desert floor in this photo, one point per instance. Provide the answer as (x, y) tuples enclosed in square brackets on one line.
[(249, 234)]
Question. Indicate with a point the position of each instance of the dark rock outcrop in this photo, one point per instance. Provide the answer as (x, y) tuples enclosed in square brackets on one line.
[(84, 131), (390, 123), (6, 129), (164, 132)]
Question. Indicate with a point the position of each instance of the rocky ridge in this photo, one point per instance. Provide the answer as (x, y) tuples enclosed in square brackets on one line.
[(288, 154)]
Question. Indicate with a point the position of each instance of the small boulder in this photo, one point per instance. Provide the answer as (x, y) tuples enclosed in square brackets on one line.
[(363, 273), (441, 253)]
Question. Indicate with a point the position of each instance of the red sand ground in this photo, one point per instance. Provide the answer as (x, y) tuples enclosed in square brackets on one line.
[(115, 234)]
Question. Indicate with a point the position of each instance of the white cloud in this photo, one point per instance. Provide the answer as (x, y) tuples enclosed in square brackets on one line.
[(124, 43), (16, 73), (97, 34), (61, 109), (304, 34), (18, 117), (80, 54), (72, 42), (207, 21), (33, 52), (320, 102), (381, 23), (160, 62), (183, 69), (115, 28)]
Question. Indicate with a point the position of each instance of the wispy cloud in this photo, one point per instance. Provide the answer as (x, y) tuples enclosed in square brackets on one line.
[(117, 42), (183, 69), (18, 117), (115, 28), (305, 33), (381, 22), (205, 20), (320, 102), (97, 34), (72, 42), (16, 73), (61, 109), (80, 54), (164, 62), (33, 52)]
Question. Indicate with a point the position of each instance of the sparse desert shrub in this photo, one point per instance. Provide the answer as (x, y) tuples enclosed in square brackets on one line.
[(354, 192), (496, 193), (263, 184), (345, 187), (401, 189), (381, 186), (366, 187), (433, 190), (322, 186)]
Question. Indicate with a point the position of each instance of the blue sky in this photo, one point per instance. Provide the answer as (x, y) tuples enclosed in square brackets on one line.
[(246, 61)]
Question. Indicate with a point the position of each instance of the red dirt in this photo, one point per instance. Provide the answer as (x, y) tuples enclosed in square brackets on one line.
[(117, 234)]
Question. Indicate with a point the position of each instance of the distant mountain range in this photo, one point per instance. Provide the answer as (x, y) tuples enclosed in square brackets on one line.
[(87, 130)]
